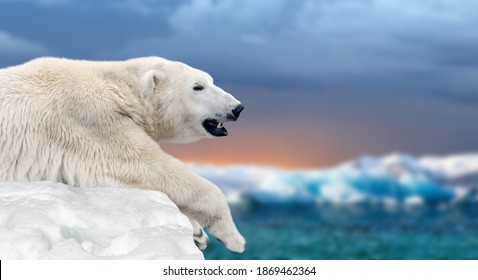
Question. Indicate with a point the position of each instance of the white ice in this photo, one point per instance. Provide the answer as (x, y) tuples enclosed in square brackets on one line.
[(45, 220)]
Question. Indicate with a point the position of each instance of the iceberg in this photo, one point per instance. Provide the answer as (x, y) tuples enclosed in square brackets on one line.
[(397, 179), (45, 220)]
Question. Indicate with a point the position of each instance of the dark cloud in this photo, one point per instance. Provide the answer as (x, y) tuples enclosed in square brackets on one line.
[(84, 28), (409, 46), (390, 46)]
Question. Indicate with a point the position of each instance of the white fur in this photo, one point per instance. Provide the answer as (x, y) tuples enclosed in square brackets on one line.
[(91, 124)]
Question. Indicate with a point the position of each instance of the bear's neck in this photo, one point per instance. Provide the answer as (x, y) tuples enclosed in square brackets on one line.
[(126, 78)]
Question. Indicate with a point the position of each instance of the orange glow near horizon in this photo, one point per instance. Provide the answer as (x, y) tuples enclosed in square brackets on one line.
[(255, 146), (211, 153)]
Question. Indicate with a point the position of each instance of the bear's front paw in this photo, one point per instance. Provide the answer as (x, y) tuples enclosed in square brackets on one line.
[(236, 244), (226, 232), (201, 239)]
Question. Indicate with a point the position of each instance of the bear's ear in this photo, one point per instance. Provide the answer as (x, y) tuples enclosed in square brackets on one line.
[(148, 83)]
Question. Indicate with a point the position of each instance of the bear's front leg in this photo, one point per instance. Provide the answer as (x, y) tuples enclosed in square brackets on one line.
[(197, 198)]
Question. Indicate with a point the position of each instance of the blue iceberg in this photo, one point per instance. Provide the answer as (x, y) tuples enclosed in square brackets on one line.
[(393, 180)]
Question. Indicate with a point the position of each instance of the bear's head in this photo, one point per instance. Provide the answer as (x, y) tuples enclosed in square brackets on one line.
[(183, 103)]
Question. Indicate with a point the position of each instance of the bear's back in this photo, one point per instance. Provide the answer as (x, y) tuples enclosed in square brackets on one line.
[(49, 106)]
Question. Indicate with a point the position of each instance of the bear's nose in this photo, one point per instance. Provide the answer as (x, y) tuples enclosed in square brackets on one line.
[(237, 111)]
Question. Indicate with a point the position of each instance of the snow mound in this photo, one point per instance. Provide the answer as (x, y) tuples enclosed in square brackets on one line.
[(45, 220)]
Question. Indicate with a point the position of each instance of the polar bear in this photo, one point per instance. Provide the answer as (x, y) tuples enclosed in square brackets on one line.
[(88, 124)]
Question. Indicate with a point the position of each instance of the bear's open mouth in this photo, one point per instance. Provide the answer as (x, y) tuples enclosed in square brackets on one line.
[(214, 127)]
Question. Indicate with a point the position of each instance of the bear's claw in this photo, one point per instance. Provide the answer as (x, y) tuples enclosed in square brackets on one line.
[(201, 239)]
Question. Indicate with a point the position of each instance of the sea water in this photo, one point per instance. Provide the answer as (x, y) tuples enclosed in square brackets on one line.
[(338, 232)]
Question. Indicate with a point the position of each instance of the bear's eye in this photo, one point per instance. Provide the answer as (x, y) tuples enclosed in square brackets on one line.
[(198, 87)]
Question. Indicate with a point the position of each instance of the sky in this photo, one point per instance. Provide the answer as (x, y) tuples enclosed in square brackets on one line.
[(322, 81)]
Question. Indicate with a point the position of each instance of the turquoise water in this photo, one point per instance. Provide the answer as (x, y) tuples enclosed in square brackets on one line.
[(354, 232)]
